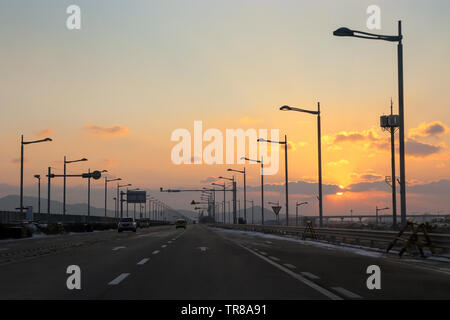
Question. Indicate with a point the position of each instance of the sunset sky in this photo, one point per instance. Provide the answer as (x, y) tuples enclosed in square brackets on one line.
[(115, 90)]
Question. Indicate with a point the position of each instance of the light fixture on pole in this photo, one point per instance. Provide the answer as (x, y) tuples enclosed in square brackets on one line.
[(37, 176), (285, 172), (22, 143), (346, 32), (262, 184), (64, 182), (245, 190), (106, 188), (296, 210), (118, 199), (319, 147)]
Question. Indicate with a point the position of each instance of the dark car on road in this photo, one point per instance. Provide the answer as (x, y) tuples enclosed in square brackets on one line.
[(180, 223), (126, 224)]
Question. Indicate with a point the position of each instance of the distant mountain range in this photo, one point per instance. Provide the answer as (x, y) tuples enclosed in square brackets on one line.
[(11, 202)]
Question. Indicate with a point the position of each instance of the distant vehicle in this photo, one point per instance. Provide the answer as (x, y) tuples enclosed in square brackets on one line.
[(143, 224), (180, 223), (126, 224)]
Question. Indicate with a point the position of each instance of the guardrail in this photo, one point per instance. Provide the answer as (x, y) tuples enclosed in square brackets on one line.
[(371, 238), (7, 217)]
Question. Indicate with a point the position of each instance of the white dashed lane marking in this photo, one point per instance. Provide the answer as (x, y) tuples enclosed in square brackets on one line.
[(143, 261), (290, 266), (346, 293), (164, 245), (155, 252), (118, 248), (117, 280), (310, 275), (300, 278), (262, 252)]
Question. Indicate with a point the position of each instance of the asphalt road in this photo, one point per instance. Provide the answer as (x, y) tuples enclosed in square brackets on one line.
[(204, 263)]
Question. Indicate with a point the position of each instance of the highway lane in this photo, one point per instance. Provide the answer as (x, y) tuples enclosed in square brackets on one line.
[(44, 277), (344, 271), (203, 263)]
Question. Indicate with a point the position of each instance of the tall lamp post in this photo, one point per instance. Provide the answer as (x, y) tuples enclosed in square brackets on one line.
[(117, 197), (376, 213), (262, 184), (64, 184), (346, 32), (296, 210), (22, 143), (285, 171), (106, 189), (233, 183), (245, 191), (319, 147), (224, 197), (89, 190), (37, 176)]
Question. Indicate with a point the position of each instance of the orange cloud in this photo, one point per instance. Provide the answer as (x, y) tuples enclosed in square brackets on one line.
[(338, 163), (416, 148), (44, 133), (107, 131), (431, 129)]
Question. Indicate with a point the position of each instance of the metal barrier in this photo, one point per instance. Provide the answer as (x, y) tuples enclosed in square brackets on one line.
[(14, 216), (372, 238)]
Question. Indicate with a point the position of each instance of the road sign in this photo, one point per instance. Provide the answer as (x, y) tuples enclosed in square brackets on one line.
[(96, 174), (136, 196), (276, 209)]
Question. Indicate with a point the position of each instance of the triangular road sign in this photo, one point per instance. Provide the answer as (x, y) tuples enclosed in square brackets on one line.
[(276, 209)]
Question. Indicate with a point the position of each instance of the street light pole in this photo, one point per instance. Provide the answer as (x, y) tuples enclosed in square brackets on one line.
[(22, 143), (346, 32), (64, 184), (106, 190), (245, 191), (285, 172), (296, 210), (319, 147), (48, 193), (402, 126), (37, 176)]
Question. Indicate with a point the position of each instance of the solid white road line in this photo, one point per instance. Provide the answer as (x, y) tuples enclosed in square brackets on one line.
[(290, 266), (300, 278), (310, 275), (118, 279), (155, 252), (118, 248), (346, 293), (143, 261)]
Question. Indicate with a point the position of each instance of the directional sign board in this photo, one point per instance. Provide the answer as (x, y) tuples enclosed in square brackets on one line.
[(136, 196), (94, 174), (276, 209)]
